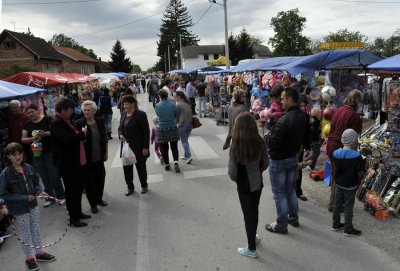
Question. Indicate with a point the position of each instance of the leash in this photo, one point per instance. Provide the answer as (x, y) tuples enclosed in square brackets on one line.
[(50, 244)]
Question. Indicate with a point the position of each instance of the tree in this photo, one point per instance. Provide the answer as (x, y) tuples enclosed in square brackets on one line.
[(288, 40), (315, 46), (176, 24), (241, 46), (119, 62), (255, 40), (136, 68), (344, 35), (386, 47), (65, 41)]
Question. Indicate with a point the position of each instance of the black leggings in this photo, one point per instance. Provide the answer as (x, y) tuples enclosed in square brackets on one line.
[(165, 149), (249, 203)]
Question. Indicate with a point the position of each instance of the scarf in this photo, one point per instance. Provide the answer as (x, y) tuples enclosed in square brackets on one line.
[(82, 154)]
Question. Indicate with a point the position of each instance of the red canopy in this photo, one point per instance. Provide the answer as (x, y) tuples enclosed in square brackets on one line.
[(40, 79)]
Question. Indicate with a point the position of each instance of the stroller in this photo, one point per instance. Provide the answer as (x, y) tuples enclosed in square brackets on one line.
[(221, 115)]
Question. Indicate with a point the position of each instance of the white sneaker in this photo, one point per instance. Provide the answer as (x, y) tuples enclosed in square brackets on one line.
[(47, 203), (61, 202), (189, 160), (184, 158)]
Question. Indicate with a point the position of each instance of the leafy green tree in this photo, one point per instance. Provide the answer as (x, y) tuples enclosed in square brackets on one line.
[(386, 46), (119, 62), (241, 46), (65, 41), (344, 35), (315, 46), (288, 39), (233, 49), (136, 68), (176, 23), (255, 40)]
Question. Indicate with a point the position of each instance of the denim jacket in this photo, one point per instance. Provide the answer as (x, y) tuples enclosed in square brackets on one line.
[(14, 190)]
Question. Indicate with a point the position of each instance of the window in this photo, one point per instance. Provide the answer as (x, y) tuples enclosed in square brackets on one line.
[(89, 70), (206, 57), (82, 70), (216, 56), (9, 45)]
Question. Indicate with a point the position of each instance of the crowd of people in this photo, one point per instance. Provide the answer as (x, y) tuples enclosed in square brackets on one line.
[(75, 147)]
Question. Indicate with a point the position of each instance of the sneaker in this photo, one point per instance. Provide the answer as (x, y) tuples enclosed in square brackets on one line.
[(45, 257), (338, 227), (47, 203), (31, 264), (330, 209), (184, 158), (275, 228), (226, 145), (162, 161), (144, 190), (129, 192), (247, 252), (189, 160), (167, 167), (61, 201), (352, 233), (294, 223), (177, 169), (258, 239)]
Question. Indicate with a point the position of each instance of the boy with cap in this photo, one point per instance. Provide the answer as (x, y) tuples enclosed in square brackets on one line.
[(349, 170)]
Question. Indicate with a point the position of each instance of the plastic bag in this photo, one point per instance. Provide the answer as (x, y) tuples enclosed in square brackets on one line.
[(128, 157)]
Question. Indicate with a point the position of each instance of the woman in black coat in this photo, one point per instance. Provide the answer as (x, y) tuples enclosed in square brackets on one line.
[(134, 128), (96, 149), (69, 157)]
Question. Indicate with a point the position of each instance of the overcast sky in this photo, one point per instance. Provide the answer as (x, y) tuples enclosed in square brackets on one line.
[(136, 23)]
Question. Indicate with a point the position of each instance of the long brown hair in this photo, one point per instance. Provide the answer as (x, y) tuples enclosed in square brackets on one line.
[(247, 144)]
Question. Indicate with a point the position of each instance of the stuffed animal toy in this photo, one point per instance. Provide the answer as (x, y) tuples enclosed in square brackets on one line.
[(256, 107)]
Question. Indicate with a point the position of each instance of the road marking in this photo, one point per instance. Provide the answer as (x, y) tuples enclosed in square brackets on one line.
[(201, 148), (222, 136), (117, 160), (142, 251), (156, 178), (201, 173)]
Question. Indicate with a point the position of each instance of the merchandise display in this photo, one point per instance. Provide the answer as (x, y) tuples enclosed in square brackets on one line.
[(380, 187)]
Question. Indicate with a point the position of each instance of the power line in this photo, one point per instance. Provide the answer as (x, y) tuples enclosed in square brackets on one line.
[(201, 17), (368, 2), (51, 3), (122, 25)]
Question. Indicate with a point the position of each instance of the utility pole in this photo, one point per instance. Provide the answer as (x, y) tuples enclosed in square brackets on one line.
[(169, 60), (226, 36), (226, 30), (180, 50)]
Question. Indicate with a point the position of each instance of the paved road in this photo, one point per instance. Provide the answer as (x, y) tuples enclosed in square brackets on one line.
[(192, 221)]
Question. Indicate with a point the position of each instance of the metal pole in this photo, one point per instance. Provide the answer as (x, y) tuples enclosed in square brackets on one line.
[(226, 36), (169, 60), (165, 62), (180, 50)]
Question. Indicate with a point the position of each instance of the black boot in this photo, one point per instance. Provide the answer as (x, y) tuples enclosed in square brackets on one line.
[(109, 136)]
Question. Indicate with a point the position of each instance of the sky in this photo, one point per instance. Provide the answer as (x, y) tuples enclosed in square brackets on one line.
[(97, 24)]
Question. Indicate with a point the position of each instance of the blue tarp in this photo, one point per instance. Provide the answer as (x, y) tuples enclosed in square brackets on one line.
[(10, 90), (119, 74), (301, 64), (388, 64)]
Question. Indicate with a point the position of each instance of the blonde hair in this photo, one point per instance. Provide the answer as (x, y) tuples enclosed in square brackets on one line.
[(353, 99), (238, 93)]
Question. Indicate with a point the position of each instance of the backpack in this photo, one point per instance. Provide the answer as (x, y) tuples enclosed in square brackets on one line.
[(154, 89)]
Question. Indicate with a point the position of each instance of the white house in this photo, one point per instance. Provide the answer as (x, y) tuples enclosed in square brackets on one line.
[(201, 55)]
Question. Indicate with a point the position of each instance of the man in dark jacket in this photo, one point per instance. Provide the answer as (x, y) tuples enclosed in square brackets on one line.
[(284, 147)]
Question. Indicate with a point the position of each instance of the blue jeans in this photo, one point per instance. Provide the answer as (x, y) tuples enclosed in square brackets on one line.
[(202, 106), (107, 120), (49, 175), (281, 174), (184, 133)]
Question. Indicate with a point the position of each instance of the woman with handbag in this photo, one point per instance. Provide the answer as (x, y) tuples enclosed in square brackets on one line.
[(185, 126), (247, 161), (96, 149), (134, 129)]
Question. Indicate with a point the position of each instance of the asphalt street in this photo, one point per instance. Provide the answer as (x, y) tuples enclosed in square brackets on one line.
[(191, 221)]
